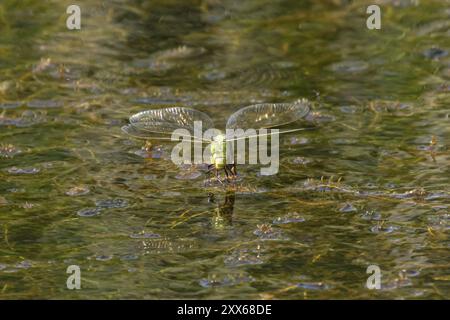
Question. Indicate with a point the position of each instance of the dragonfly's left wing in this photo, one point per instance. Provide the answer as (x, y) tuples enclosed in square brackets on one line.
[(159, 124), (141, 134)]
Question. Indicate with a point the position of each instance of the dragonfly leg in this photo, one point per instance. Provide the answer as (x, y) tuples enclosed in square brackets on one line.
[(218, 176), (226, 172), (232, 168), (210, 168), (211, 197)]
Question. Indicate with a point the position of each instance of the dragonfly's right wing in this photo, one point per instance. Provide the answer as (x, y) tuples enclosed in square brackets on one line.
[(245, 135), (266, 116), (159, 124)]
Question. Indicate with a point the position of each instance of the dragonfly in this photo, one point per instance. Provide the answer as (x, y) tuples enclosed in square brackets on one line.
[(159, 124)]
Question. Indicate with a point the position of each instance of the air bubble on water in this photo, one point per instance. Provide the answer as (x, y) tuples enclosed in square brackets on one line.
[(188, 175), (29, 170), (213, 75), (313, 285), (44, 104), (266, 232), (289, 218), (435, 53), (437, 195), (112, 203), (14, 270), (391, 185), (434, 26), (424, 148), (128, 142), (24, 265), (344, 141), (28, 118), (103, 257), (89, 212), (298, 141), (439, 208), (77, 191), (440, 221), (156, 152), (395, 284), (143, 153), (371, 215), (145, 235), (348, 109), (371, 185), (240, 257), (224, 281), (10, 105), (301, 160), (348, 207), (129, 257), (170, 194), (409, 273), (149, 177), (350, 66), (383, 229)]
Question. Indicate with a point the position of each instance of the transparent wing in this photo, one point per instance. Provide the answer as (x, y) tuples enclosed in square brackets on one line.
[(268, 115), (167, 120), (159, 124), (245, 136), (145, 135)]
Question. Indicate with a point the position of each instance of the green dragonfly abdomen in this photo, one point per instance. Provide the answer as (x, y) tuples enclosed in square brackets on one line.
[(218, 152)]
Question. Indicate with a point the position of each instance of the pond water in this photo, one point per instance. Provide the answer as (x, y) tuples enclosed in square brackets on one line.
[(368, 185)]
